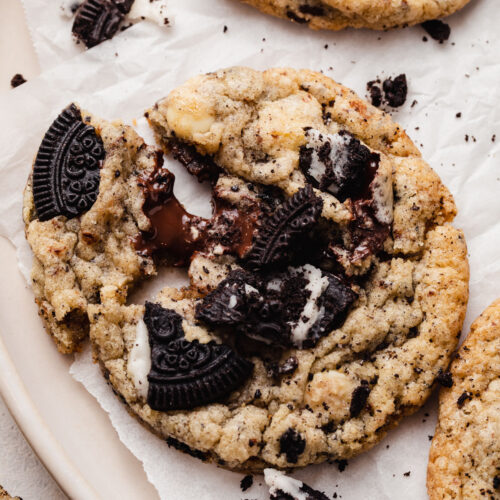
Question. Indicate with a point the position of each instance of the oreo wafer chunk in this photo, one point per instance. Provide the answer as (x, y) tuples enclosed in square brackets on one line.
[(99, 20), (186, 374), (296, 217), (66, 172)]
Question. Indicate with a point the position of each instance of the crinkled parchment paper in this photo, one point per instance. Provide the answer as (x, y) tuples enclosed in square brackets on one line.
[(121, 78)]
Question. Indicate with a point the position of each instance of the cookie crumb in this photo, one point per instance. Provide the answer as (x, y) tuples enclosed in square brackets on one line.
[(224, 30), (463, 398), (459, 115), (407, 474), (17, 80), (342, 464), (437, 30), (246, 482)]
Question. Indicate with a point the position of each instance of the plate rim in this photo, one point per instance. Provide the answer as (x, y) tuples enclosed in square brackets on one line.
[(37, 434)]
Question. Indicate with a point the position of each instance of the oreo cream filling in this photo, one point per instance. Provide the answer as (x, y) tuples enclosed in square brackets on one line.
[(317, 283), (279, 483), (139, 360)]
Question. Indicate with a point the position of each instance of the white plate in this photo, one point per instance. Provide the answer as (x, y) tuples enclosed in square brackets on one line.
[(63, 423)]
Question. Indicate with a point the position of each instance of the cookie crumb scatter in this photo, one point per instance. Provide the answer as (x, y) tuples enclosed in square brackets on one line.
[(493, 138), (224, 30), (437, 30), (459, 115), (424, 39), (466, 137), (246, 482), (429, 437), (407, 474), (17, 80)]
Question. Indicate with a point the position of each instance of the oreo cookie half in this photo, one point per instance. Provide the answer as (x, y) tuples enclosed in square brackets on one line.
[(294, 218), (99, 20), (186, 374), (66, 172)]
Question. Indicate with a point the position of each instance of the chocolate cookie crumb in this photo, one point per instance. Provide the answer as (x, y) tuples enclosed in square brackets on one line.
[(246, 482), (496, 482), (292, 444), (375, 91), (445, 379), (359, 398), (459, 115), (17, 80), (225, 29), (437, 30), (342, 464), (463, 398), (407, 474), (395, 90)]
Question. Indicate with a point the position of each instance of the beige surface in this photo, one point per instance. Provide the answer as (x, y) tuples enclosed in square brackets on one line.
[(78, 428)]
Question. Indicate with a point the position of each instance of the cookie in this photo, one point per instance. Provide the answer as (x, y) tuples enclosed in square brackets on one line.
[(328, 279), (5, 496), (464, 460), (339, 14), (82, 210)]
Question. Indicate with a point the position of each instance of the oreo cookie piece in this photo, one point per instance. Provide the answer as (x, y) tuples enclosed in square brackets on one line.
[(336, 163), (395, 90), (186, 374), (438, 30), (66, 172), (99, 20), (296, 217), (283, 487), (296, 307)]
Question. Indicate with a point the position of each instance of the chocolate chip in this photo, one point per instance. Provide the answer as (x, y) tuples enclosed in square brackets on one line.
[(185, 374), (279, 232), (99, 20), (17, 80), (395, 90), (66, 171), (444, 378), (437, 30), (359, 399), (465, 396), (246, 482), (292, 444)]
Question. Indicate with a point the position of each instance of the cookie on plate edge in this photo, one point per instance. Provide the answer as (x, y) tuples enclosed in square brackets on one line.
[(327, 291), (464, 460)]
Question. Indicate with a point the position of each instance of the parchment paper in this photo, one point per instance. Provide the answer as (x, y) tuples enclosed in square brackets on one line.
[(120, 78)]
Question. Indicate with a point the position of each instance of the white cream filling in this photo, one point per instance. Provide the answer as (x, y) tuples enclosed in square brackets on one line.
[(317, 284), (232, 301), (250, 289), (155, 11), (338, 155), (383, 201), (279, 481), (139, 360)]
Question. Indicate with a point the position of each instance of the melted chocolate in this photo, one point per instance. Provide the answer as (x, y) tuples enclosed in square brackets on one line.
[(173, 229), (179, 234)]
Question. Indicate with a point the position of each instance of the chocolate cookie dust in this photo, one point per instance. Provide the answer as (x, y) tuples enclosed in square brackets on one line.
[(17, 80), (99, 20), (438, 30), (392, 91), (178, 234)]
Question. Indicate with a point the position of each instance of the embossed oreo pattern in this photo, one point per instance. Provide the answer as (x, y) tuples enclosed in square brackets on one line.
[(66, 172), (186, 374)]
